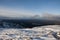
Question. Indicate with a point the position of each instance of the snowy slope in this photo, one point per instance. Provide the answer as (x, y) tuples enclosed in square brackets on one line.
[(37, 33)]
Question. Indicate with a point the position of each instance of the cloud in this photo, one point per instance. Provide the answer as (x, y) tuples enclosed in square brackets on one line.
[(7, 12), (51, 16)]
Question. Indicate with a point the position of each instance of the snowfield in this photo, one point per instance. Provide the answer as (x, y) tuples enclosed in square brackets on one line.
[(36, 33)]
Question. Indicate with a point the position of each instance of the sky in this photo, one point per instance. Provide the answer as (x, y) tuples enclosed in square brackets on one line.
[(18, 8)]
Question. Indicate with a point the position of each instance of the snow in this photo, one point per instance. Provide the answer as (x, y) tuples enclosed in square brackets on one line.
[(36, 33)]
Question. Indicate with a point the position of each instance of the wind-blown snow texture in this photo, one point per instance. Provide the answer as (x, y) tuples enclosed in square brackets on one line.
[(37, 33)]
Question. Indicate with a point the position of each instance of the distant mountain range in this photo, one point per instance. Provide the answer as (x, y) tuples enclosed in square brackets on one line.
[(29, 22)]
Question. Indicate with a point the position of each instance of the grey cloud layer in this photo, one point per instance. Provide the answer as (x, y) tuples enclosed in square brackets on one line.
[(15, 13), (25, 13)]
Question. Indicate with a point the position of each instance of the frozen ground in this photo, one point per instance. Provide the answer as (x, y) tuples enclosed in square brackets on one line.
[(37, 33)]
